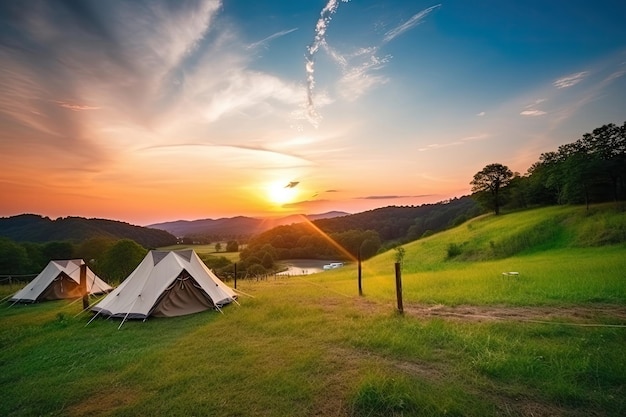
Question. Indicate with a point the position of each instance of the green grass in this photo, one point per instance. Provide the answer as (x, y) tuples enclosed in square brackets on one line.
[(307, 346), (206, 250)]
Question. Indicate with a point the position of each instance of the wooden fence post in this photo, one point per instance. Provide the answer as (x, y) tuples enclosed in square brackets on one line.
[(83, 285), (359, 268), (399, 287)]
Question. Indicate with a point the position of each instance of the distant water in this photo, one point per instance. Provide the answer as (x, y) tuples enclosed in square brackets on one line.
[(304, 266)]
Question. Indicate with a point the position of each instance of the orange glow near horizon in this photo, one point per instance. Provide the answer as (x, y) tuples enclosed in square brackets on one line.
[(336, 245)]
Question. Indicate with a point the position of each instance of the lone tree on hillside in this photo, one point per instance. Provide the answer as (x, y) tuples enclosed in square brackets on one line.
[(490, 180)]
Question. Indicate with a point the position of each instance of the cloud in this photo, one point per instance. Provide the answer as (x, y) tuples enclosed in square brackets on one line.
[(482, 113), (459, 142), (358, 68), (538, 101), (318, 40), (615, 75), (244, 89), (76, 107), (391, 197), (570, 80), (533, 113), (122, 61), (415, 20), (531, 110), (265, 41)]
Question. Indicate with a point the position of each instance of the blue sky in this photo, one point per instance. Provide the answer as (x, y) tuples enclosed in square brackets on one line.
[(148, 111)]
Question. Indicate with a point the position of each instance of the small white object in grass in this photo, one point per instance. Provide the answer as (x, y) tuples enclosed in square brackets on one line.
[(510, 273)]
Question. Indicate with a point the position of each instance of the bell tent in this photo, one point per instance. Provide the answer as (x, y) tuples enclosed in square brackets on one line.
[(59, 280), (166, 284)]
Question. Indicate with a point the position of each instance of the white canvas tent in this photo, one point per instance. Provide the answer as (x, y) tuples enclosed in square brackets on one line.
[(166, 284), (59, 280)]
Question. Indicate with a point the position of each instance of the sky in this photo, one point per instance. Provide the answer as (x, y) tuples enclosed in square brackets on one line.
[(148, 111)]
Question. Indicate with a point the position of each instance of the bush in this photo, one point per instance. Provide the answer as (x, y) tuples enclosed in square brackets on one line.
[(454, 250)]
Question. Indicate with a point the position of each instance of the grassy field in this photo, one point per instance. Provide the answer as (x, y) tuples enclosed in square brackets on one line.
[(471, 341), (207, 250)]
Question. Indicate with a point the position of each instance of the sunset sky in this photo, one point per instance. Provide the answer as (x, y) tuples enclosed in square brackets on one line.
[(149, 111)]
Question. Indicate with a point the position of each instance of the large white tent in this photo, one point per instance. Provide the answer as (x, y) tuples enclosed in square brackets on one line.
[(166, 284), (59, 280)]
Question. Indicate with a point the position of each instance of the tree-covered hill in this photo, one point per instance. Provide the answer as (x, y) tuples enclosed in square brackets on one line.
[(347, 237), (405, 223), (39, 229)]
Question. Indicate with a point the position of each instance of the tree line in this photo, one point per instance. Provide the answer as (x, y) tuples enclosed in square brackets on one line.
[(36, 228), (591, 169), (112, 260)]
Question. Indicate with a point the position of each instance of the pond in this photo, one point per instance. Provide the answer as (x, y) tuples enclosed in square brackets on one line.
[(305, 266)]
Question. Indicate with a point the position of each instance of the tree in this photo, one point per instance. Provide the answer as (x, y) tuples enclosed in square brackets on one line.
[(58, 250), (232, 246), (13, 257), (218, 247), (490, 181), (121, 259)]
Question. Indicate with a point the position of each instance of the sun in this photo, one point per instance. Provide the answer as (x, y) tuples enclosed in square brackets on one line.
[(281, 193)]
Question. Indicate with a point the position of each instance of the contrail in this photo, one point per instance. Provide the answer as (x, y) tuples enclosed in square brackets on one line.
[(318, 41), (413, 21)]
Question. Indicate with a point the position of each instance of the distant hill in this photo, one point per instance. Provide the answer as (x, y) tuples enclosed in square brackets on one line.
[(405, 223), (236, 226), (36, 228)]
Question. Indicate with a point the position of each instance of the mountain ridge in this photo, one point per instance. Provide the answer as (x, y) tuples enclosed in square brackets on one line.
[(238, 225), (36, 228)]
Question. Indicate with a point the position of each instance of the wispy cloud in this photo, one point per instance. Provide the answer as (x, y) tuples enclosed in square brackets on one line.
[(391, 197), (76, 107), (415, 20), (531, 109), (265, 41), (615, 75), (570, 80), (318, 40), (481, 114), (358, 68), (123, 61), (533, 113), (245, 89), (460, 142)]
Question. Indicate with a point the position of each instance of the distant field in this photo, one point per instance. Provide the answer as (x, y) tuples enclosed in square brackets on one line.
[(206, 249), (471, 342)]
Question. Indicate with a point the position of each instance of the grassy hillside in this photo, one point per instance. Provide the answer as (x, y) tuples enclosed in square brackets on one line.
[(563, 255), (472, 342)]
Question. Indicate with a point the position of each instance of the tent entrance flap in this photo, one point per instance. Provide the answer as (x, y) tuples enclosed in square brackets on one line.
[(61, 287), (184, 296)]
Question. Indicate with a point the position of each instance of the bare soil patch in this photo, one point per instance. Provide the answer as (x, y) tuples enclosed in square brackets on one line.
[(601, 315)]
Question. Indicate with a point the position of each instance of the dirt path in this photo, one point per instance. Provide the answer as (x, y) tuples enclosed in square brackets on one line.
[(602, 315)]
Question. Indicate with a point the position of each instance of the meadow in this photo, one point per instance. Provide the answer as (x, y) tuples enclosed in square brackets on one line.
[(471, 341)]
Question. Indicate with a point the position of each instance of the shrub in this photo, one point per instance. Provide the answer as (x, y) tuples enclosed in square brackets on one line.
[(454, 250)]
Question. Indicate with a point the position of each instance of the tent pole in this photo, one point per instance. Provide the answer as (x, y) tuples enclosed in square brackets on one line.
[(6, 298), (241, 292), (95, 315)]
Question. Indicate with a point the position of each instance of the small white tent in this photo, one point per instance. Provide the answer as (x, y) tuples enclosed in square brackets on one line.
[(59, 280), (166, 284)]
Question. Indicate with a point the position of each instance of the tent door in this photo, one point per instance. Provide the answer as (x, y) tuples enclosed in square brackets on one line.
[(61, 287), (183, 297)]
